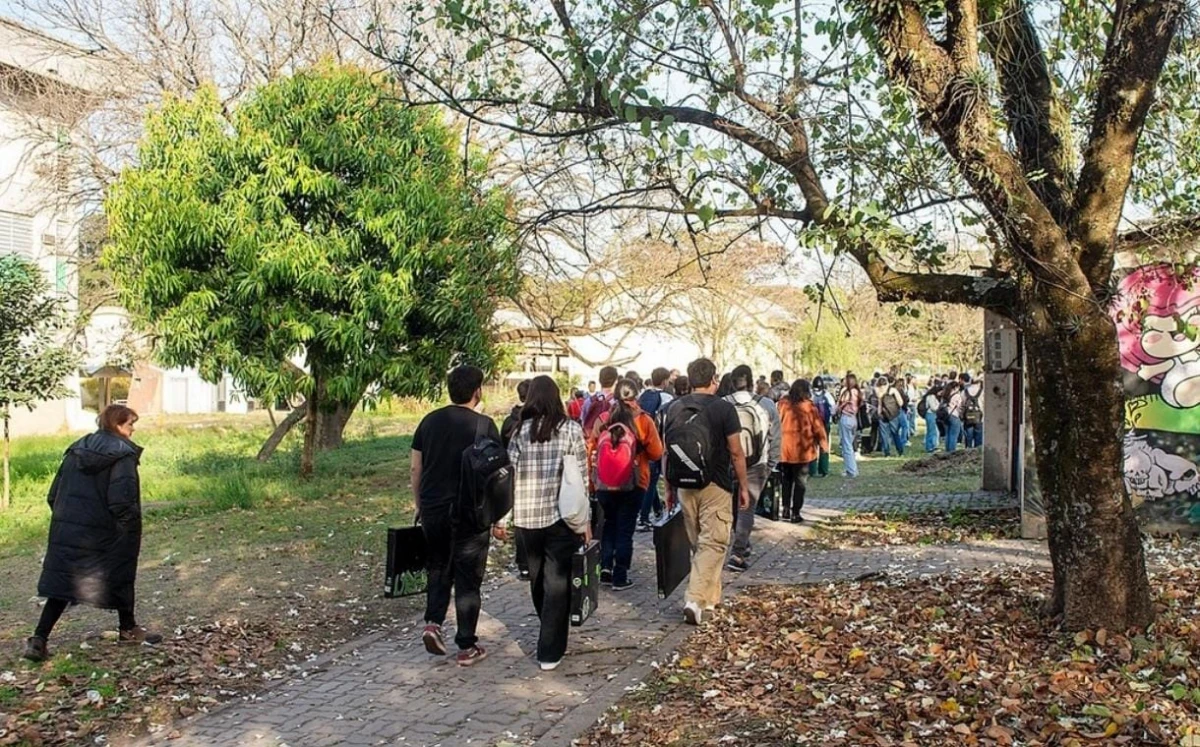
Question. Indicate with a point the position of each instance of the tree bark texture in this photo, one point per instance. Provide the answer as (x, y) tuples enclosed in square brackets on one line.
[(324, 425), (281, 431), (1077, 405)]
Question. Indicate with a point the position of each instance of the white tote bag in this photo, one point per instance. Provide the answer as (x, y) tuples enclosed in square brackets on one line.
[(573, 502)]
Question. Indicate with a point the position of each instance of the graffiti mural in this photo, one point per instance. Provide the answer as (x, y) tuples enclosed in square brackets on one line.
[(1157, 313)]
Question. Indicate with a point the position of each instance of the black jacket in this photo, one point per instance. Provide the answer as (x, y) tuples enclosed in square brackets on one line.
[(96, 524)]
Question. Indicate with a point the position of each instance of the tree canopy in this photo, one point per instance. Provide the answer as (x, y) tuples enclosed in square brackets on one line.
[(322, 239)]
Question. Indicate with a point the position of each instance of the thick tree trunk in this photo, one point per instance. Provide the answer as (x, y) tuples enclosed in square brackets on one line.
[(332, 426), (1095, 543), (324, 425), (281, 430)]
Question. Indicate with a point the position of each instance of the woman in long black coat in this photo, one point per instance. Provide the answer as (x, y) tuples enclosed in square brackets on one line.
[(95, 531)]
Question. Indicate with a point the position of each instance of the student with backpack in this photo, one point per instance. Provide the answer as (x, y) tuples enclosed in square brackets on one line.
[(849, 406), (954, 412), (575, 408), (626, 442), (804, 437), (598, 403), (972, 412), (759, 436), (457, 543), (825, 405), (704, 456), (891, 406), (652, 401), (544, 444), (507, 429), (927, 408)]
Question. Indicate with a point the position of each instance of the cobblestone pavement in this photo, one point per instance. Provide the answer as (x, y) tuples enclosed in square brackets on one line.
[(390, 691)]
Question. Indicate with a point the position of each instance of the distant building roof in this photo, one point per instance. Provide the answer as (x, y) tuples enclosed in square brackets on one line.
[(40, 54)]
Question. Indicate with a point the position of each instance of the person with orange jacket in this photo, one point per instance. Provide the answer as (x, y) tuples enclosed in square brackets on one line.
[(803, 438), (625, 432)]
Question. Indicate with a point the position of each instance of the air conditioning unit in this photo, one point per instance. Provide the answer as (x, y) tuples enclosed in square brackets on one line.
[(1001, 349)]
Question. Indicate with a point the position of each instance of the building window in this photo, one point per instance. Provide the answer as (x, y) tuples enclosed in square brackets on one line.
[(16, 234)]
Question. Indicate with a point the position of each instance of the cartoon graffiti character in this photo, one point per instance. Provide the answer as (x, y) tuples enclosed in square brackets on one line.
[(1154, 474), (1157, 313)]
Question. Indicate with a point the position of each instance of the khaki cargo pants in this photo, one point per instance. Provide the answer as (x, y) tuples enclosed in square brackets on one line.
[(708, 516)]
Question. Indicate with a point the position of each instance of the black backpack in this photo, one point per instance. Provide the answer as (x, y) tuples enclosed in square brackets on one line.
[(485, 492), (972, 412), (688, 442)]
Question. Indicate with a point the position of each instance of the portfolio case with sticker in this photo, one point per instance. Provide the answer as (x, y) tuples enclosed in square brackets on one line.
[(405, 572), (672, 552), (585, 582)]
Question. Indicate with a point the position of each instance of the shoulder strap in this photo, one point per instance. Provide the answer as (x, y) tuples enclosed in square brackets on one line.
[(481, 428)]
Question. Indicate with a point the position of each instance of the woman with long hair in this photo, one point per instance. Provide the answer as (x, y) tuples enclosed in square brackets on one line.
[(803, 438), (849, 401), (95, 531), (623, 433), (545, 435)]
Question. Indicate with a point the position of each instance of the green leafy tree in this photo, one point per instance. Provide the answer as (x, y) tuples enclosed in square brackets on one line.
[(34, 361), (323, 240), (877, 129)]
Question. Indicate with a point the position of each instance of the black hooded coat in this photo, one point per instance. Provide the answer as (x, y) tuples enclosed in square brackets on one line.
[(96, 524)]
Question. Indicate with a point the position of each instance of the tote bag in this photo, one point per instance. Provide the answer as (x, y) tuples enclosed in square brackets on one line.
[(573, 502)]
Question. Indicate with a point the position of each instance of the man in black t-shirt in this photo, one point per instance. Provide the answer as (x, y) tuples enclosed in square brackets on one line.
[(708, 512), (455, 559)]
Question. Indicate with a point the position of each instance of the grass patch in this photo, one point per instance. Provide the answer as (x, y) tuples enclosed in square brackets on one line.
[(865, 529)]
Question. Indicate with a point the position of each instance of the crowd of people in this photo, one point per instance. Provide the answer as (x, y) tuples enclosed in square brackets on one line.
[(716, 439)]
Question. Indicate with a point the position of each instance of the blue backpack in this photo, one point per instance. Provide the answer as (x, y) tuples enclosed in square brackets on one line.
[(650, 401)]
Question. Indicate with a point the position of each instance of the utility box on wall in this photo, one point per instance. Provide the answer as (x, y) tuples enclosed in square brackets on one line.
[(1001, 422), (1001, 353)]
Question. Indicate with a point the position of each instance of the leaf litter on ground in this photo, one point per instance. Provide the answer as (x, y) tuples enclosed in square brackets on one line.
[(961, 659)]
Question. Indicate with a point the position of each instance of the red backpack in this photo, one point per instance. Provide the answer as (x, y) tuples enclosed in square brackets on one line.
[(616, 459)]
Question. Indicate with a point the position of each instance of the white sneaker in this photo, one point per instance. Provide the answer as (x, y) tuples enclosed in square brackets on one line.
[(692, 614), (549, 666)]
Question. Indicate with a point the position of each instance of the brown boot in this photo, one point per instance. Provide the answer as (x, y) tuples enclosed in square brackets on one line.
[(35, 649), (139, 635)]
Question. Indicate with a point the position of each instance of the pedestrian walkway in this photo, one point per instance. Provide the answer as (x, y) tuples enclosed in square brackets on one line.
[(390, 691)]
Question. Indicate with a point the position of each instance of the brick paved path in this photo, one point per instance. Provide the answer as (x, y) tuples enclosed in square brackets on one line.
[(390, 691)]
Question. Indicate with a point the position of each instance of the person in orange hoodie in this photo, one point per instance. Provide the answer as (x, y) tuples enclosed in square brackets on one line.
[(626, 441), (803, 437)]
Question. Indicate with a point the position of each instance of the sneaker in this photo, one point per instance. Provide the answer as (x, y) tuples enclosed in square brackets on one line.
[(139, 634), (797, 519), (434, 643), (622, 585), (644, 526), (606, 576), (736, 564), (692, 614), (35, 649), (549, 666), (471, 656), (523, 574)]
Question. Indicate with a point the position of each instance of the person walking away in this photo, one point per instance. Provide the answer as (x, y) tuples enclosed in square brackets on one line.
[(651, 402), (456, 546), (626, 442), (954, 412), (507, 429), (682, 386), (927, 408), (804, 437), (972, 413), (704, 447), (825, 405), (891, 414), (95, 532), (575, 409), (912, 397), (543, 438), (598, 402), (779, 387), (758, 429), (850, 399)]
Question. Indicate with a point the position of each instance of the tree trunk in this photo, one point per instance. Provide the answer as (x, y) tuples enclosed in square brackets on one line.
[(311, 412), (324, 425), (281, 430), (332, 425), (1077, 404), (4, 496)]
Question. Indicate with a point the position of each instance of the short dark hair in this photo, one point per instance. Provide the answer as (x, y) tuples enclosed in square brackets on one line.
[(609, 376), (463, 382), (701, 372), (776, 377), (115, 416), (743, 378), (523, 390), (659, 376), (683, 385), (964, 377)]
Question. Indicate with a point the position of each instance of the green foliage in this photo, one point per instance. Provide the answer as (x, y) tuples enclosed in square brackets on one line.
[(33, 359), (321, 221)]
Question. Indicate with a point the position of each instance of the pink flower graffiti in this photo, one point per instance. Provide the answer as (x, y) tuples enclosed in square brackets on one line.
[(1157, 313)]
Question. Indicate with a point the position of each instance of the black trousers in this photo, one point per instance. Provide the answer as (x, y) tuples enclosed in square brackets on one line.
[(793, 479), (55, 608), (456, 560), (549, 552)]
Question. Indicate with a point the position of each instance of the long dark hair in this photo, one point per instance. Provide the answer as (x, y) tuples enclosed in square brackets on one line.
[(544, 407), (800, 391), (725, 388), (622, 409)]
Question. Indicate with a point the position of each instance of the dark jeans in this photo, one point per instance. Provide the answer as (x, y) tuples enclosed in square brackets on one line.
[(650, 500), (889, 435), (550, 551), (54, 610), (620, 522), (794, 483), (456, 561)]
